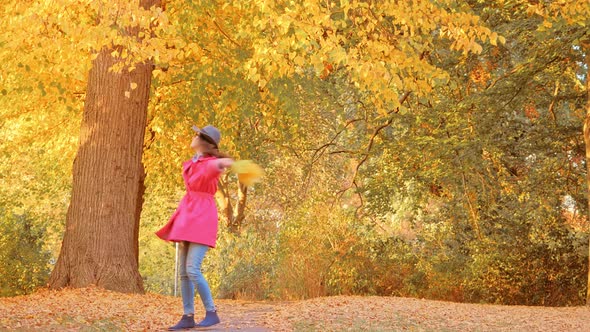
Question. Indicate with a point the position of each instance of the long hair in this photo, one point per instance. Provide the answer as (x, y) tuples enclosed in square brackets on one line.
[(211, 150)]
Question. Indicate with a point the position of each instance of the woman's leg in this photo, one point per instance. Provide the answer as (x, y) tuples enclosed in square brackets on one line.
[(187, 289), (196, 254)]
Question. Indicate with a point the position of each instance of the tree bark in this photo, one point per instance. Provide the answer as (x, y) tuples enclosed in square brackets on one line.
[(100, 245), (240, 209), (223, 200), (586, 47), (234, 215)]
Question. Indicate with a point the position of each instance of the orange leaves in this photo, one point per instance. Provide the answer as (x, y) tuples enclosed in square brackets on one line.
[(480, 75), (97, 309), (355, 313), (328, 68), (530, 111)]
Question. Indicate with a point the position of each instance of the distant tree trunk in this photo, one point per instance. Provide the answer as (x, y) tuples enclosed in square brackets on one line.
[(240, 209), (100, 245), (234, 215), (586, 47)]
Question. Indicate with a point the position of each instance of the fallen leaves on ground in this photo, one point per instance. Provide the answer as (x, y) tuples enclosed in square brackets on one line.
[(97, 309), (366, 313)]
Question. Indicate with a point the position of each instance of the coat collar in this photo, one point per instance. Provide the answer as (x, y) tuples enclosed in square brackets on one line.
[(189, 162)]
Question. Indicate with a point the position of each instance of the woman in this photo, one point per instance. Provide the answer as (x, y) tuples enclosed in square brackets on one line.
[(194, 223)]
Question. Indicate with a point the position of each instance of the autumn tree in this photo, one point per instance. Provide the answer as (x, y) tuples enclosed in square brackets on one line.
[(573, 16), (482, 167), (100, 243)]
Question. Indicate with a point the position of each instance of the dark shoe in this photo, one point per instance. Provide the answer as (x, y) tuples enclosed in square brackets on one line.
[(186, 322), (211, 319)]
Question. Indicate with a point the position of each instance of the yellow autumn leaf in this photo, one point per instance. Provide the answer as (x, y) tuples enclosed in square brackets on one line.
[(248, 172), (299, 60), (476, 48)]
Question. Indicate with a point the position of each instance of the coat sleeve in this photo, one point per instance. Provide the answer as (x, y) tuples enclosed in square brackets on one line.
[(211, 169)]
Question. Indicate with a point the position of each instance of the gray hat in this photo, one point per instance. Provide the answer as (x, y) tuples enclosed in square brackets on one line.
[(211, 132)]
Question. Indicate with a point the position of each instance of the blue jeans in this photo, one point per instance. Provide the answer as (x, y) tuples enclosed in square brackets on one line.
[(190, 258)]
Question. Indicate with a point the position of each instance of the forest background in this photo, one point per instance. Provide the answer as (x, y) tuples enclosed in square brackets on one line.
[(428, 149)]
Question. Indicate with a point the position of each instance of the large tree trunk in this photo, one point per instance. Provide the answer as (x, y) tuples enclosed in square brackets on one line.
[(100, 245), (586, 47)]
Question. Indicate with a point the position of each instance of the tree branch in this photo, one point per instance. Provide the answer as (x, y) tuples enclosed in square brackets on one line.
[(223, 32), (376, 132)]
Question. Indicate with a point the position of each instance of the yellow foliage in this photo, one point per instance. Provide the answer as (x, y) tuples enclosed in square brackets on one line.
[(571, 12), (248, 172), (375, 44)]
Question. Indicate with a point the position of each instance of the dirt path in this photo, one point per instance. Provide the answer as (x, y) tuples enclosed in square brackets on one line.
[(92, 309), (245, 316)]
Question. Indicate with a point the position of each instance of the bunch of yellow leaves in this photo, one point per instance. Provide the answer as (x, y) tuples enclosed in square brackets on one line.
[(248, 172)]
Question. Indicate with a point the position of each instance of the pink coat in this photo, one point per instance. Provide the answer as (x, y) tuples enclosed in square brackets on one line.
[(195, 219)]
